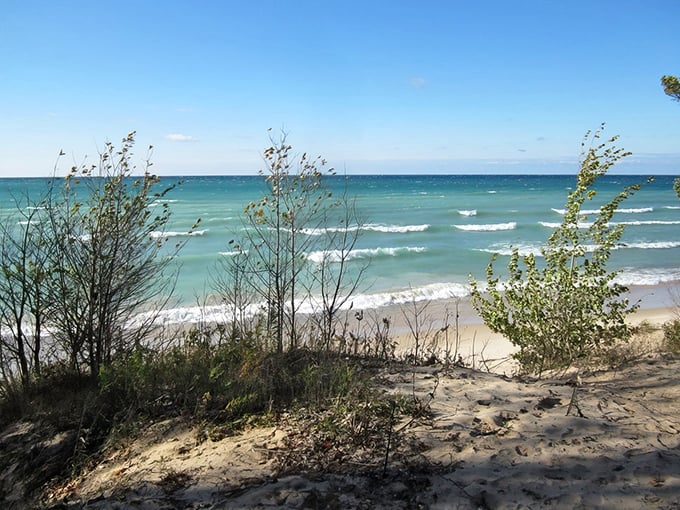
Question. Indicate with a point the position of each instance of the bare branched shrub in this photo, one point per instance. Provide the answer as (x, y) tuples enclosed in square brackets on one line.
[(295, 251), (109, 257)]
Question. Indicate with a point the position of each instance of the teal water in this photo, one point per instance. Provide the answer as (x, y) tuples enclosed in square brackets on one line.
[(424, 234)]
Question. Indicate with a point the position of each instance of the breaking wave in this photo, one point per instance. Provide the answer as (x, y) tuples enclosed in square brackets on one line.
[(158, 234), (588, 224), (370, 227), (634, 210), (487, 228), (222, 313), (364, 253)]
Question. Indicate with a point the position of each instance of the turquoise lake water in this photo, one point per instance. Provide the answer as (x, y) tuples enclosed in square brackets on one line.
[(423, 235)]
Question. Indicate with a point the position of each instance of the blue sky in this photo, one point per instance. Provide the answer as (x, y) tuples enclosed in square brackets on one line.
[(372, 86)]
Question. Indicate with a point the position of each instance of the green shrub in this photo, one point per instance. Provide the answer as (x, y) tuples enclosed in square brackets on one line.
[(567, 307), (13, 400), (226, 383), (671, 335)]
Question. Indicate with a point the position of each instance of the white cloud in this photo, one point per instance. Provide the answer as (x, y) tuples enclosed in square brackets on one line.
[(178, 137), (417, 82)]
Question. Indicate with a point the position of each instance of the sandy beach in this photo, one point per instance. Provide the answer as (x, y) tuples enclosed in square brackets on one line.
[(240, 242), (488, 440), (481, 348)]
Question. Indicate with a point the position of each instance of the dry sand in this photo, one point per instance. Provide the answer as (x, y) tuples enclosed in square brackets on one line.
[(489, 441)]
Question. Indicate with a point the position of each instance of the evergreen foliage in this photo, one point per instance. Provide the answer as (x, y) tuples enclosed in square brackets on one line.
[(671, 86)]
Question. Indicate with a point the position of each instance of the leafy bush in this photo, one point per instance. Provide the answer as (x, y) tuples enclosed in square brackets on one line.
[(12, 399), (225, 383), (671, 335), (568, 307)]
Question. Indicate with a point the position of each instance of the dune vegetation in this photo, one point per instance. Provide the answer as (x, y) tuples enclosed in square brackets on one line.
[(81, 364)]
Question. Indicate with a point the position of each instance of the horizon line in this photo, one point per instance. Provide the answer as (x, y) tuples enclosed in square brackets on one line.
[(389, 174)]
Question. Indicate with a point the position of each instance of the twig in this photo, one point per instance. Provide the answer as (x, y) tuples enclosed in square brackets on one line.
[(389, 438), (573, 402)]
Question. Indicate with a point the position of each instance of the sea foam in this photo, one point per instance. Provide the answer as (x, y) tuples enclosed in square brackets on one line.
[(370, 227), (157, 234), (630, 277), (660, 245), (634, 210), (222, 313), (397, 229), (637, 223), (487, 228), (507, 250), (365, 253)]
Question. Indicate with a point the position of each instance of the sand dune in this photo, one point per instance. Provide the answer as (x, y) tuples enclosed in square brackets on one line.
[(488, 441)]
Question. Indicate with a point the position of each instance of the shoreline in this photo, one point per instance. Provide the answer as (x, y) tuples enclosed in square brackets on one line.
[(656, 301), (480, 347), (657, 296), (445, 325)]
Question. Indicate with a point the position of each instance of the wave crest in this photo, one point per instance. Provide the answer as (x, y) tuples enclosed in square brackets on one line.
[(633, 210), (157, 234), (488, 227), (370, 227), (337, 255), (222, 313)]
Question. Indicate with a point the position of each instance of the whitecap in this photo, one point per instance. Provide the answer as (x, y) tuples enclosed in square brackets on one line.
[(157, 234), (635, 210), (338, 255), (661, 245), (488, 227), (648, 222), (223, 313), (428, 292), (371, 227), (630, 277), (471, 212), (507, 251), (397, 229), (213, 220), (638, 223), (581, 212), (188, 315), (537, 251), (550, 224)]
